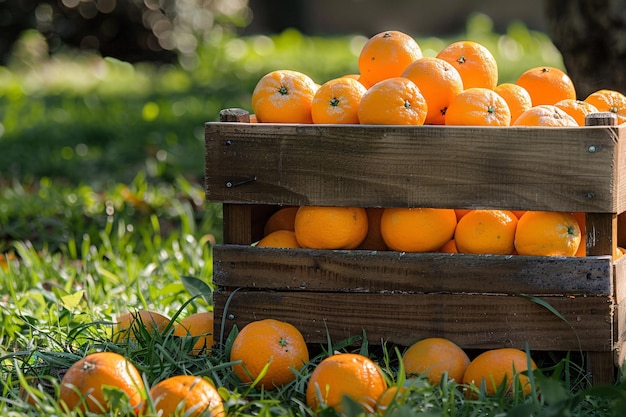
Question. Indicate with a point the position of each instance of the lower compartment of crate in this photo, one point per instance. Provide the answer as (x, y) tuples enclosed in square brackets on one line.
[(479, 302), (470, 320)]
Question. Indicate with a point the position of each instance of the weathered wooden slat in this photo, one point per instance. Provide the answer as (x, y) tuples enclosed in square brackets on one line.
[(472, 321), (565, 169), (389, 271)]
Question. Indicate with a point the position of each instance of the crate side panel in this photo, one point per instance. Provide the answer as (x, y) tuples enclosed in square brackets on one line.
[(620, 168), (420, 166), (390, 271), (472, 321), (620, 300)]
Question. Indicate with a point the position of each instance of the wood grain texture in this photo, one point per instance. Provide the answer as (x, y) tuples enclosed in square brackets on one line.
[(471, 320), (399, 272), (565, 169)]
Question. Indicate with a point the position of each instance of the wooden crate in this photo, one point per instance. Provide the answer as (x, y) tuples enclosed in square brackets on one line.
[(478, 301)]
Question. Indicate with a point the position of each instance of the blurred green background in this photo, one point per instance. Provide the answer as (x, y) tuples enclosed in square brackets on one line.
[(85, 132)]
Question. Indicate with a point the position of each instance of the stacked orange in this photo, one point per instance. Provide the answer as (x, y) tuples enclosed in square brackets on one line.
[(380, 93), (484, 231)]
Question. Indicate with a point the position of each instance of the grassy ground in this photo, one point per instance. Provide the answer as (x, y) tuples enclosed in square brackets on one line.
[(102, 210)]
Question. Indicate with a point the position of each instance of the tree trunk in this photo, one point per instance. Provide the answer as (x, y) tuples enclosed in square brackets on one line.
[(591, 36)]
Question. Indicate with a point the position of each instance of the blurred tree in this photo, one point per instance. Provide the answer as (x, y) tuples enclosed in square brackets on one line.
[(591, 35), (130, 30)]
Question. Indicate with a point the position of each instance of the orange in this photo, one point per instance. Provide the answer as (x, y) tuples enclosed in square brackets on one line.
[(328, 227), (386, 55), (547, 233), (433, 357), (373, 240), (282, 219), (609, 101), (417, 229), (547, 85), (460, 213), (390, 397), (337, 101), (516, 97), (449, 247), (475, 63), (354, 76), (486, 232), (279, 239), (581, 218), (578, 109), (284, 96), (200, 326), (188, 395), (345, 374), (142, 322), (273, 343), (81, 386), (545, 115), (394, 101), (5, 260), (439, 83), (497, 367), (478, 107), (366, 83)]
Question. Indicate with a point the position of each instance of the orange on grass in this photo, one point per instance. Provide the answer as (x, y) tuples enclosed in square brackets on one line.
[(134, 323), (439, 83), (417, 229), (284, 96), (478, 107), (499, 368), (393, 101), (374, 239), (386, 55), (200, 326), (609, 101), (545, 115), (390, 397), (279, 239), (547, 233), (475, 63), (329, 227), (337, 101), (486, 232), (282, 219), (81, 386), (345, 374), (5, 258), (578, 109), (516, 97), (273, 343), (547, 85), (434, 356), (188, 395)]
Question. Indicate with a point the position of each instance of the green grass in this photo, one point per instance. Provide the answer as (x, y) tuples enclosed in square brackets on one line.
[(102, 210)]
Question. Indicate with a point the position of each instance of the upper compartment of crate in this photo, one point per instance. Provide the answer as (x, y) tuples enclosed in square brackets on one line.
[(530, 168)]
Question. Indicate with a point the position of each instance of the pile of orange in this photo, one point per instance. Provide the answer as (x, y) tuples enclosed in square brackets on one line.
[(485, 231), (398, 85), (84, 386), (499, 370), (271, 354)]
